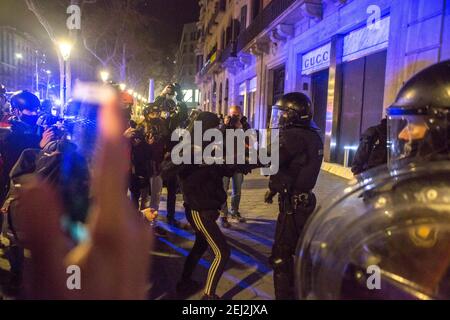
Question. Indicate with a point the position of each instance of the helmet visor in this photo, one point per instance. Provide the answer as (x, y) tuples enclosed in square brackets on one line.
[(278, 117), (414, 138)]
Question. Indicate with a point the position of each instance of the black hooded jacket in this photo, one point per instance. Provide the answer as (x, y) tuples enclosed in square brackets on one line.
[(201, 184)]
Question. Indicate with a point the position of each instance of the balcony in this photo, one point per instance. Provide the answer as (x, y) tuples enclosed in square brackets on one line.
[(228, 52), (211, 62), (263, 21)]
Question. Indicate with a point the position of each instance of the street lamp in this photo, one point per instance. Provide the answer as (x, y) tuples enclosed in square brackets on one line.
[(104, 75), (65, 48), (19, 56), (122, 86), (48, 72)]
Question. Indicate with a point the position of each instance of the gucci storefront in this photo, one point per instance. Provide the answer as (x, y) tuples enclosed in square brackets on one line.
[(355, 90), (315, 74)]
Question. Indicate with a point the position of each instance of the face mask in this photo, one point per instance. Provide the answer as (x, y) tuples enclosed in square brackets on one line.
[(30, 120)]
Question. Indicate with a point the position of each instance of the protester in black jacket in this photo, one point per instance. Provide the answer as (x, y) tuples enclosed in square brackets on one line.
[(204, 196)]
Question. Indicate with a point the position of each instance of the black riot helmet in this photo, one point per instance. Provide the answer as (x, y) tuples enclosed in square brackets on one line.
[(418, 121), (25, 100), (293, 109)]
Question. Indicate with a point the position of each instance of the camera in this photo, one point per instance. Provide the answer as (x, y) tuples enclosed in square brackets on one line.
[(234, 120)]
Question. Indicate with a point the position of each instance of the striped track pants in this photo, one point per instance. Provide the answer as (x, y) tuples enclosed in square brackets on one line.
[(207, 233)]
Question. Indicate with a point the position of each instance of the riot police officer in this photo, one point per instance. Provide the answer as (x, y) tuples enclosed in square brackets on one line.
[(300, 159), (419, 119), (387, 236)]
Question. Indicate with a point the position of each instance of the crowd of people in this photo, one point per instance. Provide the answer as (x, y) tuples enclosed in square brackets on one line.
[(80, 190), (37, 141)]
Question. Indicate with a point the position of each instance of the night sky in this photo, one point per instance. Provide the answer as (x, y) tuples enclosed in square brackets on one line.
[(172, 14)]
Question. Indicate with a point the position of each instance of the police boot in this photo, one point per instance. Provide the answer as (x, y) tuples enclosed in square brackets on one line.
[(283, 278)]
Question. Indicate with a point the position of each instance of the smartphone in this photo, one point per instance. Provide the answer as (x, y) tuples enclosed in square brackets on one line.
[(83, 121)]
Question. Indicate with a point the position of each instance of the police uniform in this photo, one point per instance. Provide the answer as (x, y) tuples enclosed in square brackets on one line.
[(300, 159), (372, 149), (387, 235)]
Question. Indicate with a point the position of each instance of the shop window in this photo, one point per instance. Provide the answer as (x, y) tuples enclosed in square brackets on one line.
[(188, 96), (197, 96), (256, 8), (362, 99), (227, 89), (220, 96)]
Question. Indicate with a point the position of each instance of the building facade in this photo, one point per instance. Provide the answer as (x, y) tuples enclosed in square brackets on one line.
[(350, 56), (187, 65), (17, 60)]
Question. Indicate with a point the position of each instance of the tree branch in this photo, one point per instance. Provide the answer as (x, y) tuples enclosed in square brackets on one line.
[(44, 22)]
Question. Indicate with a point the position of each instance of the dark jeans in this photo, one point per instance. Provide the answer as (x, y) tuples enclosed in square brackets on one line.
[(236, 181), (207, 233), (136, 186)]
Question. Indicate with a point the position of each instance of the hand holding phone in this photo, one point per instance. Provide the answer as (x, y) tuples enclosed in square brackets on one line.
[(119, 241)]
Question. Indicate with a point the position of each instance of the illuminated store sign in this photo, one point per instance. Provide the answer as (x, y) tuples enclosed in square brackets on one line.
[(316, 60), (365, 41)]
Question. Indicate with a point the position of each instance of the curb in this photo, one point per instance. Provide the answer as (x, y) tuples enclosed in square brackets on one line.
[(338, 170)]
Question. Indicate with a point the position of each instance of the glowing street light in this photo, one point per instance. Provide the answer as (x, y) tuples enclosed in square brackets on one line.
[(19, 56), (104, 75), (131, 91), (65, 48), (122, 86), (49, 73)]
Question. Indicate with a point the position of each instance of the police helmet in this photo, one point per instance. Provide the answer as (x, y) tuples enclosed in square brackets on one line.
[(418, 121), (292, 109)]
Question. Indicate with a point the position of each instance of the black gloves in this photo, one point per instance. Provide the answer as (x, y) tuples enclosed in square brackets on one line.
[(268, 197)]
